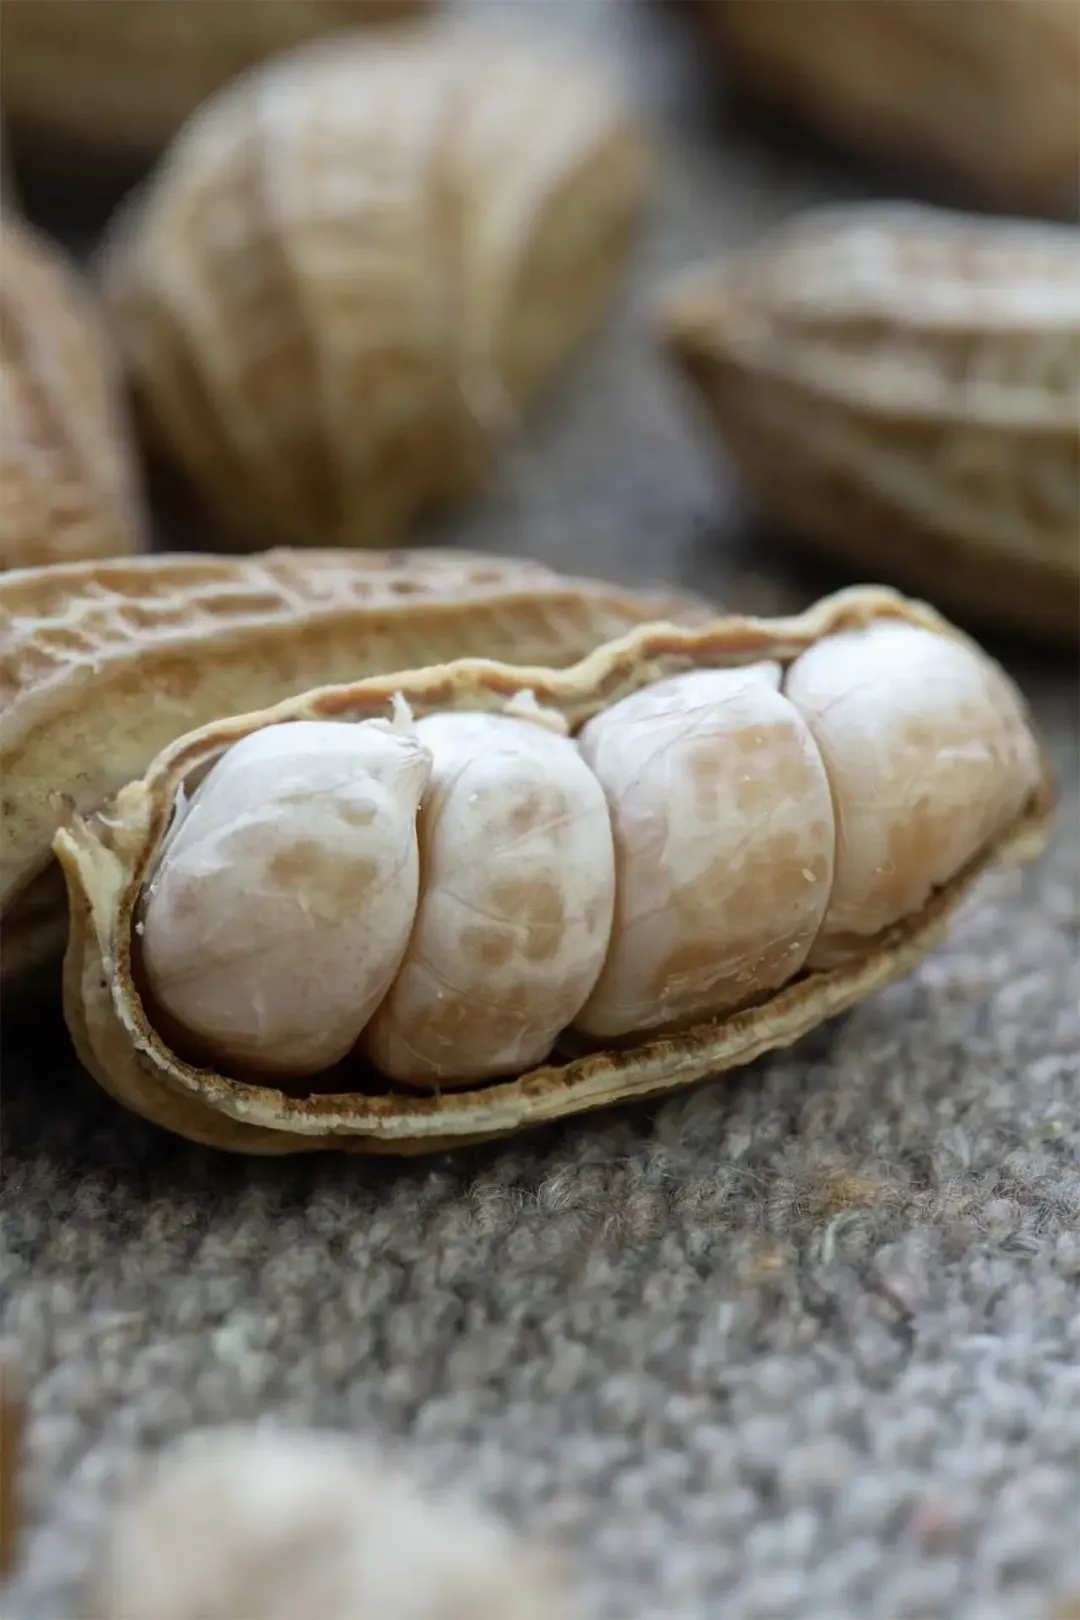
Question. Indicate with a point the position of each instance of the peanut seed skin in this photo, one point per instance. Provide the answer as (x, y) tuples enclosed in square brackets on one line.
[(929, 759), (724, 844), (284, 896), (515, 916)]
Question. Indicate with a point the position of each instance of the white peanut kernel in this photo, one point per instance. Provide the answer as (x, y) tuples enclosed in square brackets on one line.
[(724, 845), (929, 759), (515, 915), (282, 904), (449, 897)]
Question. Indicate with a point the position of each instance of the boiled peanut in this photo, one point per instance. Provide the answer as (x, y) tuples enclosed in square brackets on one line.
[(284, 896), (515, 915), (928, 756), (703, 841), (829, 676), (724, 843)]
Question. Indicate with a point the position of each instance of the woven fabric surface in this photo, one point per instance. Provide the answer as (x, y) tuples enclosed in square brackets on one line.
[(800, 1345)]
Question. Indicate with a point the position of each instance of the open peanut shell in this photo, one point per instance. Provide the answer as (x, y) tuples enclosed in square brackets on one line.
[(103, 664), (107, 857)]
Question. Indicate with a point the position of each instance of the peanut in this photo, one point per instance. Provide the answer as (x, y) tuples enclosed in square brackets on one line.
[(915, 372), (724, 833), (283, 901), (514, 920), (984, 90), (115, 78), (928, 756), (70, 484), (359, 265), (706, 839)]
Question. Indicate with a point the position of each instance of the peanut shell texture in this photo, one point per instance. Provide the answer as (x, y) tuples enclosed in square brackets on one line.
[(103, 664), (983, 94), (70, 483), (359, 266), (107, 78), (279, 1524), (796, 808), (899, 386)]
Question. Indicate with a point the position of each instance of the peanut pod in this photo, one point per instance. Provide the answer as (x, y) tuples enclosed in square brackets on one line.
[(900, 386), (986, 93), (795, 809), (109, 77), (361, 266), (102, 665), (70, 485)]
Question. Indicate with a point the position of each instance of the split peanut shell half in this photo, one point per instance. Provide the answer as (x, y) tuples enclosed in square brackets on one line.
[(112, 860), (103, 664)]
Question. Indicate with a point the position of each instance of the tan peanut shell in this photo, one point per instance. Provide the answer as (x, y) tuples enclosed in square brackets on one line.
[(120, 76), (103, 664), (359, 265), (900, 386), (107, 858), (987, 91), (70, 487)]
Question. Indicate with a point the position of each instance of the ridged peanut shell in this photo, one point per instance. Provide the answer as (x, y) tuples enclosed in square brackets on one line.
[(102, 665), (106, 859), (900, 386), (357, 268), (986, 91), (70, 487), (120, 76)]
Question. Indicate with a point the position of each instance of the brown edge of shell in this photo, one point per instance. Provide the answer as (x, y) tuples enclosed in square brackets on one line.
[(106, 859)]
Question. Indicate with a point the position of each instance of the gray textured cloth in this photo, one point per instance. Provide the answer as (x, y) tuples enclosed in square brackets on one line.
[(804, 1343)]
